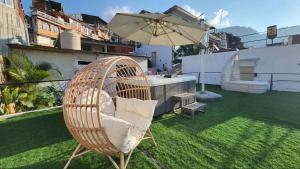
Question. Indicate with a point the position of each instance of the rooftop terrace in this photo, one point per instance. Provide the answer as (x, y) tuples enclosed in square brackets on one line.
[(242, 131)]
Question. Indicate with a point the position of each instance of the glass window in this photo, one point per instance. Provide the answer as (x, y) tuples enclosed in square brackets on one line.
[(45, 26), (10, 3), (54, 29)]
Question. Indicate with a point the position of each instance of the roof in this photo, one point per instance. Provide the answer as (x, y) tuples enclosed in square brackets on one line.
[(178, 8), (54, 5), (144, 11), (182, 12), (91, 19), (94, 41), (51, 49)]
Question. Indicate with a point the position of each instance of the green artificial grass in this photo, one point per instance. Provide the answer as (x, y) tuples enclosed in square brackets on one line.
[(242, 131)]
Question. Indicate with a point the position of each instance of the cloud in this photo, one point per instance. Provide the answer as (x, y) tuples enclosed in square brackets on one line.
[(110, 12), (220, 19), (193, 11)]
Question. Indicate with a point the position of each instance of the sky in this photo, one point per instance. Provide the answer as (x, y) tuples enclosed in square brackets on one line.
[(257, 14)]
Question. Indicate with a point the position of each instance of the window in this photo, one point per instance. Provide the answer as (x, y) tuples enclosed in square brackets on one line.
[(9, 3), (45, 26), (86, 47), (55, 29)]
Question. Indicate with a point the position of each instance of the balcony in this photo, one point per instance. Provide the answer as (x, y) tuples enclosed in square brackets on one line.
[(49, 17)]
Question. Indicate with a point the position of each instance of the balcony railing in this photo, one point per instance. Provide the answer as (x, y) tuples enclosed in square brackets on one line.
[(49, 17)]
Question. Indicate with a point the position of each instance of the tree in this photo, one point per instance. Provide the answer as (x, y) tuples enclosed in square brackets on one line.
[(234, 42), (187, 50)]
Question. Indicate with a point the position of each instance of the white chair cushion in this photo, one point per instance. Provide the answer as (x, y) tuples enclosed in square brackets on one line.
[(120, 133), (124, 130), (142, 107), (137, 112), (117, 131), (106, 103)]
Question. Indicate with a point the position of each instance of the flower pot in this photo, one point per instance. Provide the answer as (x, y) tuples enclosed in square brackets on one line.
[(11, 108)]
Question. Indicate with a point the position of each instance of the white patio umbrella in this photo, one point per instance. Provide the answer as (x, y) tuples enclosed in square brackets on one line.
[(159, 29), (156, 29)]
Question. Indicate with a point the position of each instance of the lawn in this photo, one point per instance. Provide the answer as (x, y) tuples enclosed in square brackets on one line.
[(242, 131)]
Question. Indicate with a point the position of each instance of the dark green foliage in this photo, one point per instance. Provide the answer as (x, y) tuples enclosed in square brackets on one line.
[(25, 77), (187, 50)]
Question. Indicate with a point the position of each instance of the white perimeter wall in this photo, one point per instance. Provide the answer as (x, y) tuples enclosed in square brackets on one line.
[(278, 59), (163, 54), (67, 62)]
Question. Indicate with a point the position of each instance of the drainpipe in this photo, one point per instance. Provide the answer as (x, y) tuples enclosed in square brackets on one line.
[(105, 48)]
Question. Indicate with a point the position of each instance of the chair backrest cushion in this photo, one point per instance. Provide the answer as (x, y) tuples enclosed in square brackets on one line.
[(135, 111), (106, 104), (144, 108)]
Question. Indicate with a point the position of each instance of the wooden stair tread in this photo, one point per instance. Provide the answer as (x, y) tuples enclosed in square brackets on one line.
[(194, 106), (184, 95)]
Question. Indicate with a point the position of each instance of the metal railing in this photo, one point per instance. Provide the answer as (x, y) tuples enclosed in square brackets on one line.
[(46, 16), (60, 84), (281, 39), (263, 76)]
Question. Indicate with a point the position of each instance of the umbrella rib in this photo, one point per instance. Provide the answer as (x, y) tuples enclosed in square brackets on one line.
[(132, 15), (165, 16), (139, 29), (190, 37), (145, 17), (126, 24), (167, 34)]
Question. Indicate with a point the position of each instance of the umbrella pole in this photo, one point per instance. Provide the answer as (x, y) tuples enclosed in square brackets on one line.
[(202, 74)]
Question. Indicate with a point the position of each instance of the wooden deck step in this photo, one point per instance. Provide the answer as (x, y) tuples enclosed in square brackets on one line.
[(191, 109)]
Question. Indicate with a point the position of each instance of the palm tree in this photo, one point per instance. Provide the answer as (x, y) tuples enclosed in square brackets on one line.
[(22, 70)]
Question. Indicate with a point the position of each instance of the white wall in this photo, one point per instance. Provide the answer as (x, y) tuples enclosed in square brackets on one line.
[(277, 59), (67, 62), (163, 54)]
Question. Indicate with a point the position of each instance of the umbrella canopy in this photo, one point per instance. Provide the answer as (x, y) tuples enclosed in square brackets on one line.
[(156, 29)]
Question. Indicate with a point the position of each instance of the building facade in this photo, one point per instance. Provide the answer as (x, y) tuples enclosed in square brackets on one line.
[(48, 20), (13, 27)]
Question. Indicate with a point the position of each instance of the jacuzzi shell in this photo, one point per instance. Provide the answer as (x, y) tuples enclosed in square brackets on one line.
[(246, 86), (162, 89)]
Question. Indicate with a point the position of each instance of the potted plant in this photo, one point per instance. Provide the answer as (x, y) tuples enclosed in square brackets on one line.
[(10, 98)]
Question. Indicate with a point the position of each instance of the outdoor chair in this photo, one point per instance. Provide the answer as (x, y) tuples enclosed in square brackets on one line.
[(108, 108)]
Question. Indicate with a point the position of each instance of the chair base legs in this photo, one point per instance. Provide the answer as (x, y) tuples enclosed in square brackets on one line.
[(123, 163), (149, 135), (76, 153)]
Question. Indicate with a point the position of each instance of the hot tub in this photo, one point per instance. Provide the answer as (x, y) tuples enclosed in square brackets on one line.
[(162, 89), (246, 86)]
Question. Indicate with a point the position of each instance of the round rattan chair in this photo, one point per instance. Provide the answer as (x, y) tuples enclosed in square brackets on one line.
[(83, 104)]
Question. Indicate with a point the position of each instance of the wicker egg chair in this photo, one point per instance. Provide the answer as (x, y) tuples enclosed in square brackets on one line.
[(91, 87)]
